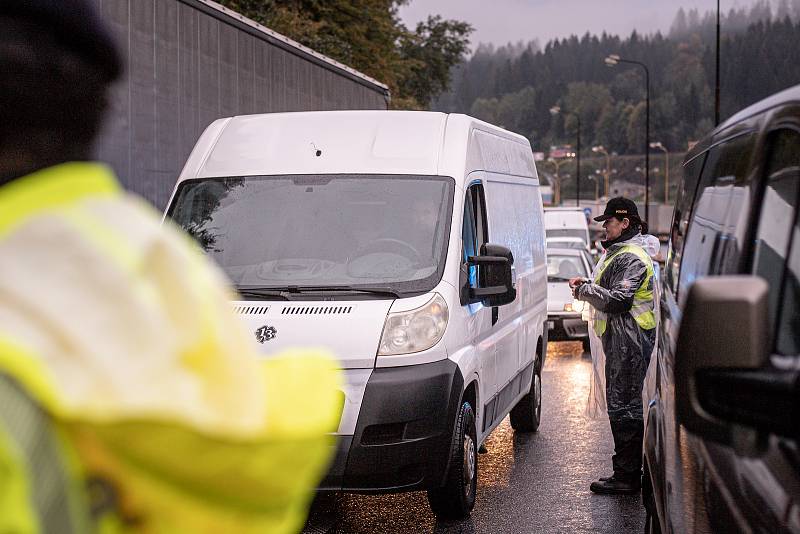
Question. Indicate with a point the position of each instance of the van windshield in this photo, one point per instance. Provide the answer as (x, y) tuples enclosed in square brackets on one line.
[(562, 268), (313, 231)]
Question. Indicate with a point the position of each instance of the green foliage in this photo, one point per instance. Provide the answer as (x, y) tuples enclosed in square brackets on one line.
[(760, 55), (369, 36)]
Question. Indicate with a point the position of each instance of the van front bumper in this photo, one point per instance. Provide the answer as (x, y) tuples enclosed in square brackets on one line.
[(404, 431)]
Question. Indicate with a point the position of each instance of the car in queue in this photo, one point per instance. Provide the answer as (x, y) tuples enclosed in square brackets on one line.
[(566, 222), (722, 438), (565, 320), (408, 244)]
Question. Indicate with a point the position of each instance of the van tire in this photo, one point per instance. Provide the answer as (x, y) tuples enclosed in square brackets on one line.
[(651, 524), (456, 498), (527, 414)]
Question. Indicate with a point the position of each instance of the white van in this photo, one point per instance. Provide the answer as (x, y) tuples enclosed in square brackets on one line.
[(409, 244), (565, 225)]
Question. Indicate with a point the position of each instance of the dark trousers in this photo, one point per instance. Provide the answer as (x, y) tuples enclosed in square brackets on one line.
[(627, 459)]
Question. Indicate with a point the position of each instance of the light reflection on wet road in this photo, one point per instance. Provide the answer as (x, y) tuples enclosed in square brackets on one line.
[(527, 483)]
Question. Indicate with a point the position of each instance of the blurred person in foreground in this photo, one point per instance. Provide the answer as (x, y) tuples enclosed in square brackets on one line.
[(130, 397), (622, 295)]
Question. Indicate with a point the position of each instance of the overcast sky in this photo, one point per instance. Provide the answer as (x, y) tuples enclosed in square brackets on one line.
[(503, 21)]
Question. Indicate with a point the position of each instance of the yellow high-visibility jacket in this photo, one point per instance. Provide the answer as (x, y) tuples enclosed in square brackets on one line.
[(120, 334)]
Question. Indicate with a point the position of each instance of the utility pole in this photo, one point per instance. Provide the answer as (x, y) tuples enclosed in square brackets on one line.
[(716, 85)]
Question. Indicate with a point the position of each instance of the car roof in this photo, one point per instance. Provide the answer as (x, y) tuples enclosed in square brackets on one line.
[(563, 251), (564, 239), (787, 96)]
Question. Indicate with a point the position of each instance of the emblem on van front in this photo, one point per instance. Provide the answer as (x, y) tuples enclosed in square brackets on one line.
[(265, 333)]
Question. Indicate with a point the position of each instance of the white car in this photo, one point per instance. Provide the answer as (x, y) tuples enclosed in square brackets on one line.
[(408, 244), (566, 222), (564, 313)]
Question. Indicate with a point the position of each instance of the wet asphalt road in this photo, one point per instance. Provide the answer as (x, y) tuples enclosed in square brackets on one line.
[(527, 483)]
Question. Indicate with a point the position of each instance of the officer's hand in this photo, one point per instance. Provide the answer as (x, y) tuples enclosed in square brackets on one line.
[(575, 282)]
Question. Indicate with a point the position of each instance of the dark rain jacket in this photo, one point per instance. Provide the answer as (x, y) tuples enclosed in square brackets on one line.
[(625, 279)]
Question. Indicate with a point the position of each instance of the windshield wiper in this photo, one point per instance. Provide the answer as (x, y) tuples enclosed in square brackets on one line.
[(557, 279), (286, 292), (381, 291), (258, 292)]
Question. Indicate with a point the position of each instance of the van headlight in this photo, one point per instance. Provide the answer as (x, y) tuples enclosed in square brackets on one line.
[(574, 306), (414, 330)]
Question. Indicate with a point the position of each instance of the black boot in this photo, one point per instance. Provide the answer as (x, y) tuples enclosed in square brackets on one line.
[(615, 486)]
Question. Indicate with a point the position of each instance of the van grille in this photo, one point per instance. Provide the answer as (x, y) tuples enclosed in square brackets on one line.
[(250, 310), (316, 310)]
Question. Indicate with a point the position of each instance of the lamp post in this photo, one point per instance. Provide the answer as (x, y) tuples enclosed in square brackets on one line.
[(612, 60), (555, 110), (596, 179), (557, 190), (716, 84), (660, 146), (601, 150)]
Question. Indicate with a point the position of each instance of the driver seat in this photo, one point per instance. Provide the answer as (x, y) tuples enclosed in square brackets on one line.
[(567, 269)]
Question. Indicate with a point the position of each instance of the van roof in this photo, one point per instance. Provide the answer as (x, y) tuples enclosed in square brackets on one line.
[(357, 142)]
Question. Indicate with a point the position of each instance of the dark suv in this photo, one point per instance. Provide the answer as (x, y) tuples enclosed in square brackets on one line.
[(721, 446)]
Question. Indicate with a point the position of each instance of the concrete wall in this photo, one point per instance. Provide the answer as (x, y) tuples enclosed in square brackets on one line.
[(190, 62)]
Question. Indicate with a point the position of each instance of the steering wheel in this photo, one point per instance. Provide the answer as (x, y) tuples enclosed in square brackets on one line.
[(392, 243)]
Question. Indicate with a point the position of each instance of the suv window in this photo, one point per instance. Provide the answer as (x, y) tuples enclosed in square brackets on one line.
[(680, 220), (778, 213), (787, 339), (711, 245)]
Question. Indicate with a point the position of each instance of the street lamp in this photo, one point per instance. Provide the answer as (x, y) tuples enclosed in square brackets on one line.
[(601, 150), (659, 146), (612, 60), (596, 179), (557, 191), (555, 110)]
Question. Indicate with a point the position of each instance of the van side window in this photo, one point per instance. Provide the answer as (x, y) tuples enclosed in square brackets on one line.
[(474, 229), (711, 246), (776, 227), (680, 220)]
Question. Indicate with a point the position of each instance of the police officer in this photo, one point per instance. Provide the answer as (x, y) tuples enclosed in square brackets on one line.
[(130, 397), (621, 295)]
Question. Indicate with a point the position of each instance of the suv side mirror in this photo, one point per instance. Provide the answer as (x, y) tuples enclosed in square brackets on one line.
[(496, 284), (721, 351)]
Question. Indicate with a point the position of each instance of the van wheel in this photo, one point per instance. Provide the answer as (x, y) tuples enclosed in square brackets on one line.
[(527, 414), (651, 524), (456, 498)]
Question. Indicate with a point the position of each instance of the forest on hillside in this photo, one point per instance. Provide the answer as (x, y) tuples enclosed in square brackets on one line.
[(516, 85)]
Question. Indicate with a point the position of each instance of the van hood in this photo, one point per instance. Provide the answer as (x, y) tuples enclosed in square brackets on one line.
[(350, 330), (558, 294)]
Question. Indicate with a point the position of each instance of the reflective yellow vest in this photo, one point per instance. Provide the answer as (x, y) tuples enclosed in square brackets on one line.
[(151, 401), (643, 306)]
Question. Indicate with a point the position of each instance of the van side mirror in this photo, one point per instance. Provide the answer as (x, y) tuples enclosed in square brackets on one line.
[(496, 284), (720, 357)]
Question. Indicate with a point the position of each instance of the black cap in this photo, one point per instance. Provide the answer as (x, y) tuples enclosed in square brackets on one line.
[(75, 24), (620, 207)]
